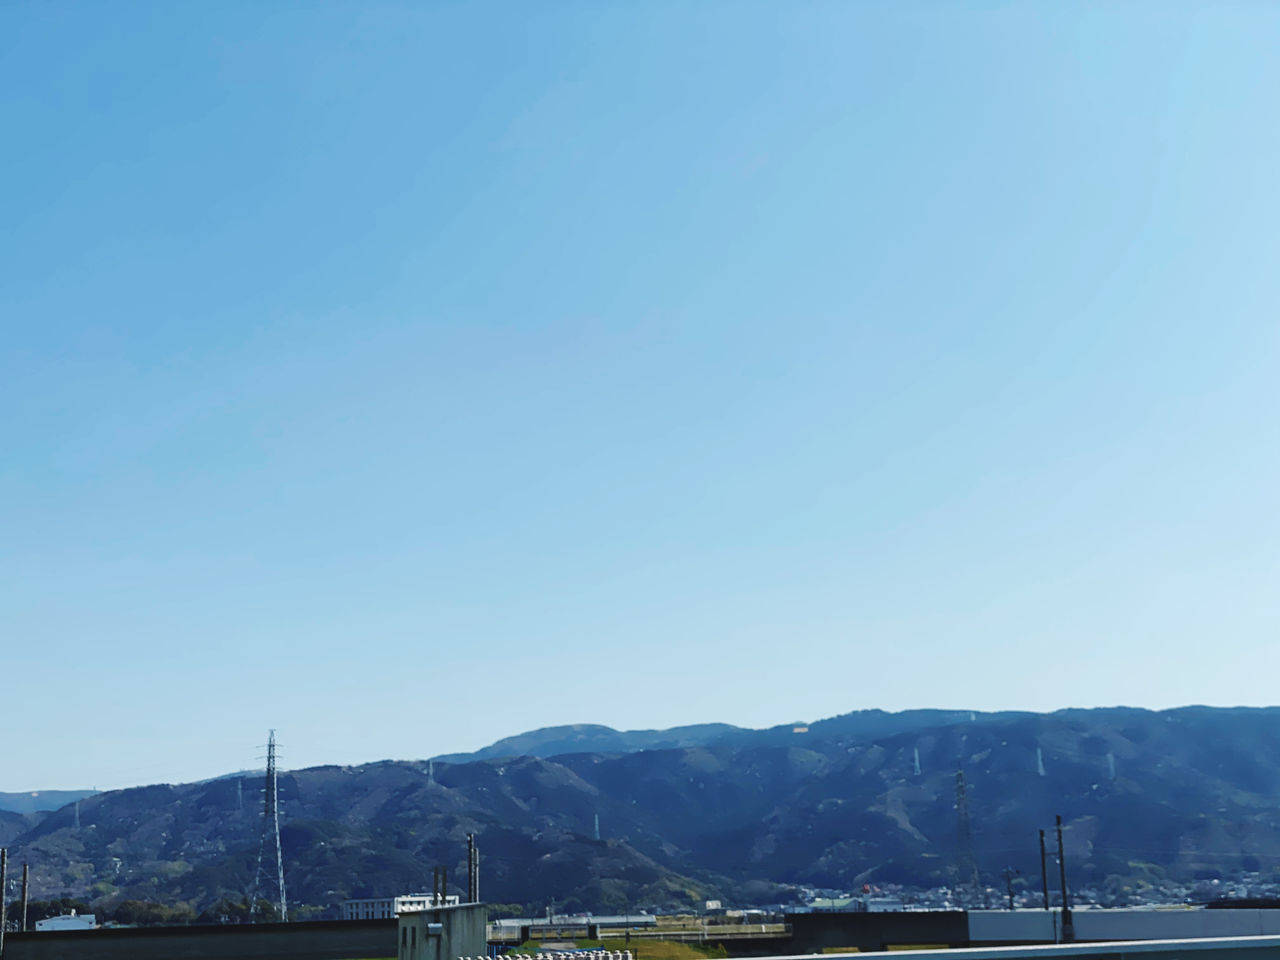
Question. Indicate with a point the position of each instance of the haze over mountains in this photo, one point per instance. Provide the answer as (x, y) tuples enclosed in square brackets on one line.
[(704, 810)]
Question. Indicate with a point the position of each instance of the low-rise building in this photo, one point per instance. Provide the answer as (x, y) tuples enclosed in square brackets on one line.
[(388, 908)]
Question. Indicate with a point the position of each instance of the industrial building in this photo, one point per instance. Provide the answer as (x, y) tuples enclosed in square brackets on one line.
[(513, 930)]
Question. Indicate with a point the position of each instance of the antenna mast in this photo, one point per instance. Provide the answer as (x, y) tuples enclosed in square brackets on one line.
[(270, 839)]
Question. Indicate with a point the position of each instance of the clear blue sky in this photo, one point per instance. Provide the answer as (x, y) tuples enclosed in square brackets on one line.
[(403, 376)]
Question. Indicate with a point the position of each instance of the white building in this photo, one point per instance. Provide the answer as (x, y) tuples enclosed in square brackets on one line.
[(69, 921), (388, 908)]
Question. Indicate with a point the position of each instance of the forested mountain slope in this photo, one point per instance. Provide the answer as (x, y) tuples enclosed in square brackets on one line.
[(864, 796)]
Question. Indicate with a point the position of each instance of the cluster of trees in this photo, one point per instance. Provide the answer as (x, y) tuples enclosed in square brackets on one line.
[(144, 913), (237, 911), (500, 911)]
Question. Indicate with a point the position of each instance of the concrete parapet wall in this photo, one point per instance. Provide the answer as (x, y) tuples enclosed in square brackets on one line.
[(335, 940), (815, 932), (1214, 948), (1040, 926)]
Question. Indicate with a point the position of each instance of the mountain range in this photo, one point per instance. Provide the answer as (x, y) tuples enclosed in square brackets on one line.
[(710, 810)]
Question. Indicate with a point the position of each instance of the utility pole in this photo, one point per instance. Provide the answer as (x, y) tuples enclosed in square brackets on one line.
[(1068, 929), (475, 874), (26, 877), (4, 890), (1044, 872), (1009, 874), (473, 863)]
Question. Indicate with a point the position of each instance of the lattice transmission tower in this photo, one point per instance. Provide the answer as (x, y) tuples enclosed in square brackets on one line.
[(269, 844), (968, 884)]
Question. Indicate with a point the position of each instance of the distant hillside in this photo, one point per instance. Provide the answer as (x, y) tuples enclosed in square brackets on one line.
[(594, 738), (36, 801), (15, 824), (1186, 793)]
